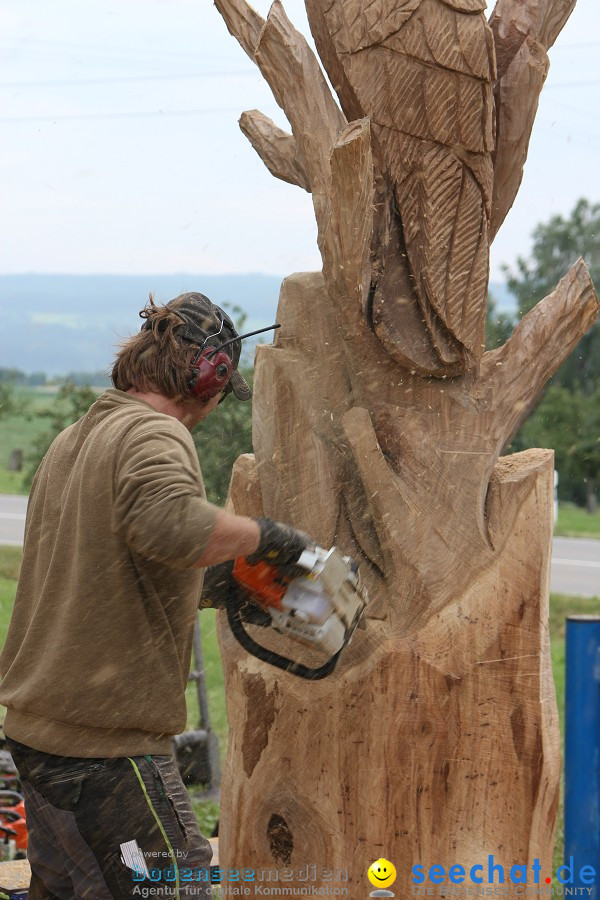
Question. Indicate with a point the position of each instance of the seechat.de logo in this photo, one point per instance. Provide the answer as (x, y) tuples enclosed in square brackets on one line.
[(495, 873)]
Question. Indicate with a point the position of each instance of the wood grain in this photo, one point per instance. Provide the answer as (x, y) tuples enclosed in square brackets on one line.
[(523, 30), (378, 426), (445, 701), (516, 102), (423, 73), (277, 148), (513, 21)]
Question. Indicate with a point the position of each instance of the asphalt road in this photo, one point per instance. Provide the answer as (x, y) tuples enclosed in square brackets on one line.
[(575, 561), (575, 567), (12, 519)]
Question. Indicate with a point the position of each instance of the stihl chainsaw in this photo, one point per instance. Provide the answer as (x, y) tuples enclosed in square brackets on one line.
[(320, 607)]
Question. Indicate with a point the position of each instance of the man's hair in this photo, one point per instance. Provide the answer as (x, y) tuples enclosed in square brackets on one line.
[(156, 359)]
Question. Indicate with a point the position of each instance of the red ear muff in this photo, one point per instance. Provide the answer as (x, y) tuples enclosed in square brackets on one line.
[(212, 368), (211, 371)]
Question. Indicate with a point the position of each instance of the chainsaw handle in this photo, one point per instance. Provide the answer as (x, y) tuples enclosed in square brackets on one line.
[(269, 656)]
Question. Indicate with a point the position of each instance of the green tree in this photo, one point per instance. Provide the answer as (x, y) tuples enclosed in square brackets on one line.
[(498, 325), (227, 432), (12, 376), (220, 439), (568, 420), (7, 398), (70, 404), (556, 246)]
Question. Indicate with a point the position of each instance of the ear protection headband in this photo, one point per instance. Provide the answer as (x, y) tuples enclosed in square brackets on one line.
[(212, 367)]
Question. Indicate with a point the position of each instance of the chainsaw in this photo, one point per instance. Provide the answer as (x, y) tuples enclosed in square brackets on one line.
[(319, 607)]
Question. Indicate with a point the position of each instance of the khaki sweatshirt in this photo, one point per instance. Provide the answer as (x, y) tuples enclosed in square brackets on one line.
[(98, 651)]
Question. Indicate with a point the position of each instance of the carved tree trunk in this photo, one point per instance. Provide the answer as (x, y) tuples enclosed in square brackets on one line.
[(378, 427)]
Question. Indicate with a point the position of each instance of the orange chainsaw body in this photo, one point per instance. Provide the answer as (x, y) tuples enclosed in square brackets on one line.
[(262, 581)]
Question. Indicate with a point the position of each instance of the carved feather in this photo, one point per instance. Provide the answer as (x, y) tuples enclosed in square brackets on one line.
[(422, 70)]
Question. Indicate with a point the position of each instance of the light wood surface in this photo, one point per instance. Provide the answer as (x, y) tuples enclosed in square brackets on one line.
[(379, 424), (15, 875)]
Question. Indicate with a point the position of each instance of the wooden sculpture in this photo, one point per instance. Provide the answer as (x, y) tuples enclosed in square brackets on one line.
[(379, 422)]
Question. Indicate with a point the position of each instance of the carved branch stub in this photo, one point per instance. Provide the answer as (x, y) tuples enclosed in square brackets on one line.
[(277, 149)]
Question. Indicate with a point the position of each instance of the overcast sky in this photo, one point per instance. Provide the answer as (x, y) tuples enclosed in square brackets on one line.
[(121, 150)]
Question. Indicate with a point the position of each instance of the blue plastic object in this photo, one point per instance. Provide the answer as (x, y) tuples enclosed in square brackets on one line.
[(582, 753)]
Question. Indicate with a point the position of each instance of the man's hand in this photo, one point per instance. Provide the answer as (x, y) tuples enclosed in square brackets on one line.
[(257, 540), (280, 545)]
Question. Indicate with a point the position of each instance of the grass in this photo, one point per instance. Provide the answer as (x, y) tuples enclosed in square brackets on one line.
[(11, 482), (214, 683), (20, 427), (10, 561), (573, 521), (19, 430), (207, 814)]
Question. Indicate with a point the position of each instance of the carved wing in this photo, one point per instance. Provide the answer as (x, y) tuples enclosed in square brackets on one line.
[(422, 70)]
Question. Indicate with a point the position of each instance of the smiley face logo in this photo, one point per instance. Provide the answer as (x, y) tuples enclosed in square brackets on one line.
[(382, 873)]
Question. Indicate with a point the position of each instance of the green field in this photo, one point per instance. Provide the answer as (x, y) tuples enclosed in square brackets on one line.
[(561, 606), (20, 428), (573, 521)]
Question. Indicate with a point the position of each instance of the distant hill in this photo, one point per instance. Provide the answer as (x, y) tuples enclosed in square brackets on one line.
[(62, 323)]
